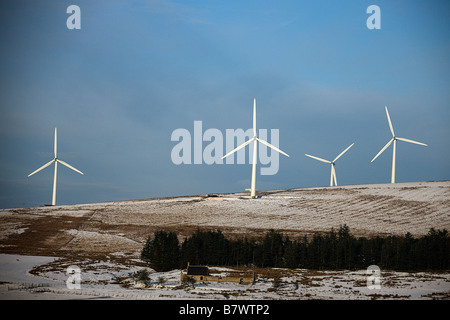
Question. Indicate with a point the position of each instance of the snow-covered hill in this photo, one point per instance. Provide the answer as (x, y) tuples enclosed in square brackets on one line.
[(122, 227), (105, 240)]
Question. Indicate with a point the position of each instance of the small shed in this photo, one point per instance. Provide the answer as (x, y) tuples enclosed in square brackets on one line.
[(197, 271), (201, 273)]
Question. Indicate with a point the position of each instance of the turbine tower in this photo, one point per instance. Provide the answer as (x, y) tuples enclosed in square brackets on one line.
[(255, 139), (394, 140), (333, 170), (56, 161)]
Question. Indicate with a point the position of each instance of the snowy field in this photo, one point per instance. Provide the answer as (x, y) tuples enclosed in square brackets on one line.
[(383, 209), (35, 277), (105, 239)]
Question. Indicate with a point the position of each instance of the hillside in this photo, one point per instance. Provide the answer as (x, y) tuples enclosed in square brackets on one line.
[(120, 228)]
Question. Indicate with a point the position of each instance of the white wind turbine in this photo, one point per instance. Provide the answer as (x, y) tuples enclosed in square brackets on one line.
[(333, 170), (394, 139), (255, 151), (55, 160)]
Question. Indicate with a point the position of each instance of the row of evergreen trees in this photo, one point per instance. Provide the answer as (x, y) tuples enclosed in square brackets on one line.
[(333, 250)]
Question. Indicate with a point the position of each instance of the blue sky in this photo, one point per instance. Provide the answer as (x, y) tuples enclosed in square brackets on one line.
[(137, 70)]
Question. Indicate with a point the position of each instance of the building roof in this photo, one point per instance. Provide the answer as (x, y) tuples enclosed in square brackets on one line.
[(197, 271)]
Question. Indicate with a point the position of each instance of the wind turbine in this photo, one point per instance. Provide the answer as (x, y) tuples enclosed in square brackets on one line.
[(255, 151), (333, 171), (56, 161), (394, 140)]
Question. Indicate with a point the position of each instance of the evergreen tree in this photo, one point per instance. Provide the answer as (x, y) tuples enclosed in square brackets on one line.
[(163, 252), (332, 250), (272, 249), (206, 247)]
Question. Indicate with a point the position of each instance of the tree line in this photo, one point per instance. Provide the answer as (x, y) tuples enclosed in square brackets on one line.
[(333, 250)]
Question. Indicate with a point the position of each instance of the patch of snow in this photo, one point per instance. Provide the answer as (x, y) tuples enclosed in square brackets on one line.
[(100, 279)]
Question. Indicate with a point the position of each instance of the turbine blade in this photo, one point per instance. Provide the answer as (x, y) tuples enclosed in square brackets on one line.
[(271, 146), (55, 144), (384, 148), (254, 117), (69, 166), (390, 123), (412, 141), (320, 159), (44, 166), (238, 148), (343, 152)]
